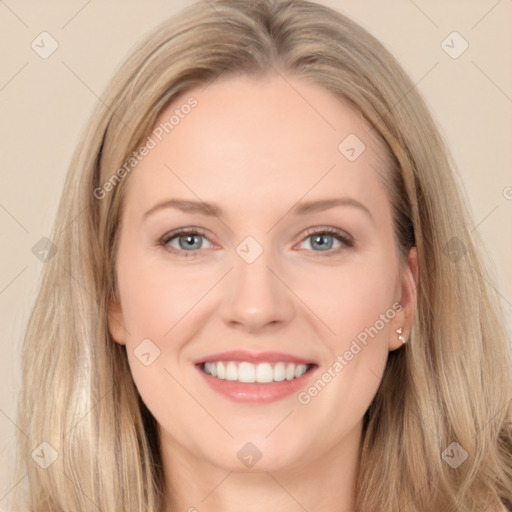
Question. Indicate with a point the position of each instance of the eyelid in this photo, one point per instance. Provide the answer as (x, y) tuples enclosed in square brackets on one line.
[(191, 230), (336, 232), (342, 236), (345, 239)]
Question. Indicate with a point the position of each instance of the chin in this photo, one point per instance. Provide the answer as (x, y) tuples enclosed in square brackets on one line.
[(257, 454)]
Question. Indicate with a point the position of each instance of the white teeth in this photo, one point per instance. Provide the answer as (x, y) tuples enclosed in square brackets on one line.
[(290, 371), (231, 371), (279, 372), (264, 373), (299, 371), (247, 372), (221, 370)]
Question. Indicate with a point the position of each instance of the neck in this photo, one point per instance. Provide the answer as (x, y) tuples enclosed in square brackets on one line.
[(325, 482)]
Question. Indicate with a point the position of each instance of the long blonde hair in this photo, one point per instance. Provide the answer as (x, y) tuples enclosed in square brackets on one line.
[(452, 383)]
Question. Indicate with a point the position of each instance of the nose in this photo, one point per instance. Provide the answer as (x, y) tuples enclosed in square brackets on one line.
[(257, 296)]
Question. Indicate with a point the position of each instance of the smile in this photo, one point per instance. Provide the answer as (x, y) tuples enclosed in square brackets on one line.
[(246, 372), (256, 377)]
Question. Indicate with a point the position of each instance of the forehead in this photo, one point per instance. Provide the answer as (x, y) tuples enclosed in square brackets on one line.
[(248, 139)]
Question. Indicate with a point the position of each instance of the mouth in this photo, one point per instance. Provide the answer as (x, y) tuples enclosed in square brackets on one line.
[(259, 378), (262, 373)]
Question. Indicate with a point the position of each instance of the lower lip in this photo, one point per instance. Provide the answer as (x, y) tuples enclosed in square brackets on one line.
[(249, 392)]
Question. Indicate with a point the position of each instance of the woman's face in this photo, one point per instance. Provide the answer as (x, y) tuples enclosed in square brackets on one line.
[(274, 270)]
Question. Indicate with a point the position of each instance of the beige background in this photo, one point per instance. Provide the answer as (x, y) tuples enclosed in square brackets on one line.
[(45, 102)]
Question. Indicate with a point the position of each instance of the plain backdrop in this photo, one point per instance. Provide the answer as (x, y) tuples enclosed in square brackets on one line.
[(45, 102)]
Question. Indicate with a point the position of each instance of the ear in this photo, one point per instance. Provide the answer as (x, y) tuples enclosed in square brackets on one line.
[(116, 321), (404, 318)]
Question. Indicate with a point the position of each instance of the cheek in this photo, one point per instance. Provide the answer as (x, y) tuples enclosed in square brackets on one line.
[(158, 302), (161, 302), (357, 304), (351, 297), (157, 295)]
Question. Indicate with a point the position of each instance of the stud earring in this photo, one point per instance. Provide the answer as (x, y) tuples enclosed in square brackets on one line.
[(400, 337)]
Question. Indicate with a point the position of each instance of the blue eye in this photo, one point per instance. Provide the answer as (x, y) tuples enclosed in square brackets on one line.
[(189, 242), (323, 240)]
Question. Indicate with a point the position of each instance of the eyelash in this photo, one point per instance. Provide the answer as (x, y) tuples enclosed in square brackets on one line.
[(341, 237)]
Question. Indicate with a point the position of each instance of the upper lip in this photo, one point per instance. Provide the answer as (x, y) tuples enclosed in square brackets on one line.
[(260, 357)]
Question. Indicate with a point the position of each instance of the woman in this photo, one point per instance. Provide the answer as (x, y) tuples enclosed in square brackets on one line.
[(265, 294)]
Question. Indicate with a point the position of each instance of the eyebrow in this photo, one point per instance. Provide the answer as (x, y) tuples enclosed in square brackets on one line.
[(213, 210)]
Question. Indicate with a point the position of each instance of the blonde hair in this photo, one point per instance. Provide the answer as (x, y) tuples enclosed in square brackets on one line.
[(451, 383)]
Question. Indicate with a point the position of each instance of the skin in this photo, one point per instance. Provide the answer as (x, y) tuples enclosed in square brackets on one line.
[(255, 147)]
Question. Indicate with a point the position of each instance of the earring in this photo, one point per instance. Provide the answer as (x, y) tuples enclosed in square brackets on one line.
[(400, 337)]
